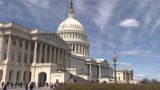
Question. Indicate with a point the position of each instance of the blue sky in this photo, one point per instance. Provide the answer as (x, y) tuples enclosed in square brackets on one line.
[(131, 27)]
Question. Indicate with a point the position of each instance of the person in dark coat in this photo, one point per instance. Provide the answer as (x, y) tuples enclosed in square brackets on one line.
[(2, 84), (31, 86), (26, 86), (5, 87), (21, 84)]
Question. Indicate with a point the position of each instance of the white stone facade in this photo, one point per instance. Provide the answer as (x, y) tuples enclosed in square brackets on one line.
[(125, 76), (35, 56)]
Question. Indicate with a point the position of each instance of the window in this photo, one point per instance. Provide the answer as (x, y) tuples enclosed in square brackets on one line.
[(20, 44), (31, 60), (25, 59), (118, 78), (5, 56), (10, 75), (12, 59), (26, 45), (14, 43), (1, 74), (19, 57), (32, 48), (6, 41)]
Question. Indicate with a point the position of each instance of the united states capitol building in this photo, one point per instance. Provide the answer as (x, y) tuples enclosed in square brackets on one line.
[(34, 56)]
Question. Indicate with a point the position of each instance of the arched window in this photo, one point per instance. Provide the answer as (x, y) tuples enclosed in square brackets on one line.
[(1, 74)]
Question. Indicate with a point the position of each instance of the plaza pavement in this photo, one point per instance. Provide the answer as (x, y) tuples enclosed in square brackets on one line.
[(28, 88)]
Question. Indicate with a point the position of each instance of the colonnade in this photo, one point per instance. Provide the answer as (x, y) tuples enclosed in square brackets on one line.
[(44, 53), (19, 76), (35, 52), (128, 75), (79, 48)]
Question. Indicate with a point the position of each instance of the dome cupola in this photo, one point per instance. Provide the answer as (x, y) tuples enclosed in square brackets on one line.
[(72, 31), (70, 22)]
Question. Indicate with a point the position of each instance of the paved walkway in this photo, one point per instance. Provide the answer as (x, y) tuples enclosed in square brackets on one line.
[(28, 89)]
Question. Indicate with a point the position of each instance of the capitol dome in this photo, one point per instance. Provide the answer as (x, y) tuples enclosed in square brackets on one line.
[(70, 23), (72, 32)]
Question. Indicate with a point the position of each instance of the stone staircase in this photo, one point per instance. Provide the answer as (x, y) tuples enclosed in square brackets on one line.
[(76, 79)]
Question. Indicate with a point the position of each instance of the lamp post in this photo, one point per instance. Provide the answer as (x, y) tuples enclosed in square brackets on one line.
[(114, 58)]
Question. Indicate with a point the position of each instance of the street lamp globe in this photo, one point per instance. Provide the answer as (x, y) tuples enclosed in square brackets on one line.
[(114, 57)]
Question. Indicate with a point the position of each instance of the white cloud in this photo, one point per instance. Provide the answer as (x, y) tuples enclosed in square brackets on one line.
[(105, 11), (124, 65), (100, 13), (80, 6), (140, 76), (152, 75), (1, 2), (131, 52), (129, 22), (155, 26), (39, 3), (137, 52)]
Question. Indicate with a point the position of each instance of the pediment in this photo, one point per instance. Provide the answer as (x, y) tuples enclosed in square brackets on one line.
[(103, 62), (53, 37)]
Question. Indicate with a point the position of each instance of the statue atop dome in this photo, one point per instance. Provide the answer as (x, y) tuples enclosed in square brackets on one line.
[(71, 11)]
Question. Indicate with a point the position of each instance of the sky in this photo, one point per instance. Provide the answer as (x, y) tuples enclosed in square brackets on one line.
[(130, 27)]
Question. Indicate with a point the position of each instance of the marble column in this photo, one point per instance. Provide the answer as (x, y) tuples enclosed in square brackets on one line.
[(50, 54), (90, 71), (99, 71), (23, 50), (82, 49), (72, 47), (88, 50), (9, 49), (29, 53), (58, 58), (65, 58), (21, 77), (76, 48), (130, 75), (79, 48), (69, 60), (62, 59), (14, 75), (35, 52), (52, 59), (125, 77), (45, 55), (54, 52), (16, 54), (40, 53), (2, 47)]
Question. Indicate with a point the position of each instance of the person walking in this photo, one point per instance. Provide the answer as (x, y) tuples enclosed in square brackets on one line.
[(5, 87), (2, 84), (31, 86), (26, 86)]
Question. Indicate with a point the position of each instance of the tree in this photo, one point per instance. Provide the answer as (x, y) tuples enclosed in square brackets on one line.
[(144, 81), (154, 81)]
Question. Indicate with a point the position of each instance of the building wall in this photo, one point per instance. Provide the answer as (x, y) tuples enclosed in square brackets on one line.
[(124, 76), (30, 54), (79, 64)]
